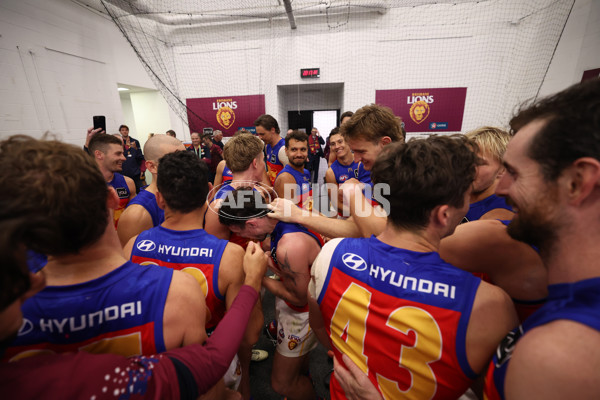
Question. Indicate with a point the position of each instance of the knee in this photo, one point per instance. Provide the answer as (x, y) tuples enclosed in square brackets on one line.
[(280, 384)]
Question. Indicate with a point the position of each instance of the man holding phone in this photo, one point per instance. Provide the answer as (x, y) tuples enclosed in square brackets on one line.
[(134, 158)]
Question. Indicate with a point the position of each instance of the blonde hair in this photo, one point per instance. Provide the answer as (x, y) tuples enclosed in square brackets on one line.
[(240, 150), (490, 140)]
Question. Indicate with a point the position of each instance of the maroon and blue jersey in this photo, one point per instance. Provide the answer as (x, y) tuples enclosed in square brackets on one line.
[(274, 165), (304, 187), (227, 174), (579, 302), (194, 252), (400, 315), (147, 200), (355, 170), (481, 207), (118, 182), (118, 313)]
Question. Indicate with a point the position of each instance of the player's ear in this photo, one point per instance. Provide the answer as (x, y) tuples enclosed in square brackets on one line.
[(160, 200), (440, 216), (582, 180), (152, 166), (385, 140)]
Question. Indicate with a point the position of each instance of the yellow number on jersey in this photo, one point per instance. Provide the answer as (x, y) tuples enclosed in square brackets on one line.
[(416, 359), (349, 324), (348, 329)]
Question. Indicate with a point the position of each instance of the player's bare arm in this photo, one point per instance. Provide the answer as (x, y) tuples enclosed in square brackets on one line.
[(285, 210), (185, 312), (134, 220)]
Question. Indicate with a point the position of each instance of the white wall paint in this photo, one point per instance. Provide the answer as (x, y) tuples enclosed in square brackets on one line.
[(60, 63), (151, 114), (59, 66)]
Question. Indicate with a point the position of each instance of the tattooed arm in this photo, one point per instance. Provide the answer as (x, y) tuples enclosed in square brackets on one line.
[(295, 254)]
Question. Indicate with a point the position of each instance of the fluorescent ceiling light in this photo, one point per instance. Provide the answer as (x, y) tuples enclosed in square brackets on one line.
[(121, 89)]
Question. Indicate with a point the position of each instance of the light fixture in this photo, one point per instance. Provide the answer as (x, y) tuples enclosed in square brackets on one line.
[(122, 89)]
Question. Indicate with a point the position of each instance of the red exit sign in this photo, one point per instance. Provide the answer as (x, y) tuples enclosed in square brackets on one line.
[(310, 73)]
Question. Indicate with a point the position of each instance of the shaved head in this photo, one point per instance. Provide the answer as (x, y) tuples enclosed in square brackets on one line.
[(159, 145)]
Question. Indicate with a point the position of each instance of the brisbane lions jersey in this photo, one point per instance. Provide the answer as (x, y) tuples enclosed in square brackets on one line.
[(400, 315), (118, 313), (118, 182), (194, 252), (227, 174), (304, 188), (147, 200), (274, 165), (579, 302)]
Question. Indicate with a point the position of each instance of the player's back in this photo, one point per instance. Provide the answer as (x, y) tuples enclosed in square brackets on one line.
[(194, 252), (121, 313), (401, 315)]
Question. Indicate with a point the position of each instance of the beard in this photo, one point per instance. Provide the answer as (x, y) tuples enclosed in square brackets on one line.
[(537, 225), (297, 162)]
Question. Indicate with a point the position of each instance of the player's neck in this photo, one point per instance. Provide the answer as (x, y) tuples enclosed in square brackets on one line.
[(274, 140), (179, 221), (475, 197), (89, 263), (347, 159), (421, 241), (247, 176), (108, 175), (299, 169), (152, 186), (574, 256)]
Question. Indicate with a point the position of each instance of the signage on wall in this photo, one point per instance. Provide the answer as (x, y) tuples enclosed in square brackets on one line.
[(426, 110), (310, 73), (227, 113)]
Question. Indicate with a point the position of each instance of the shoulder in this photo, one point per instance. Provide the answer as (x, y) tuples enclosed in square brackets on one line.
[(320, 267), (285, 176), (233, 252), (230, 269), (184, 286), (557, 360), (299, 242), (135, 214)]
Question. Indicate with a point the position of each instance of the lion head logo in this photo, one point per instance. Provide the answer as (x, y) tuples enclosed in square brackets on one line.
[(225, 117), (419, 111)]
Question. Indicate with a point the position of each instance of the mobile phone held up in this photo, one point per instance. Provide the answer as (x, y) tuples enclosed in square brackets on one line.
[(100, 122)]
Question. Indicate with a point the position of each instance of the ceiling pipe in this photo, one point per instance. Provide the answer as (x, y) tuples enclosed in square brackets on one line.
[(290, 13), (140, 9)]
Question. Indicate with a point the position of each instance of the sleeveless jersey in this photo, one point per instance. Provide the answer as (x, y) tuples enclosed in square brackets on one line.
[(579, 302), (227, 174), (355, 170), (281, 229), (233, 237), (274, 166), (118, 182), (195, 252), (402, 316), (118, 313), (481, 207), (304, 188), (147, 200)]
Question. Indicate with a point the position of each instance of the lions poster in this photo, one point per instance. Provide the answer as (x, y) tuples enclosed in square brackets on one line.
[(426, 110), (225, 113)]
